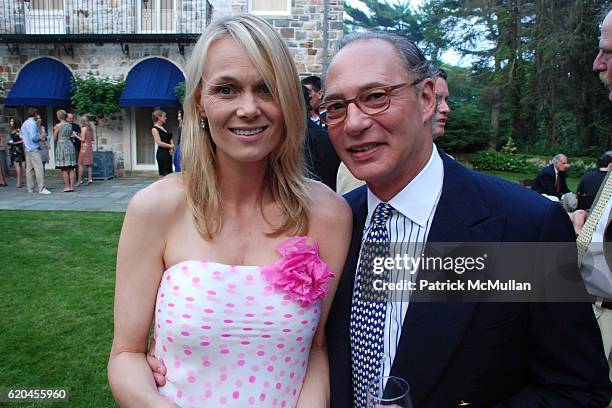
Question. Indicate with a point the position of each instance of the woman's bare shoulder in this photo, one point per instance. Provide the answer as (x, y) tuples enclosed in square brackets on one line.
[(164, 197), (328, 210)]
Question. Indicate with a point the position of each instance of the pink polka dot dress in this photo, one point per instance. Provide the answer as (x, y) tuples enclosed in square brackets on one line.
[(229, 337)]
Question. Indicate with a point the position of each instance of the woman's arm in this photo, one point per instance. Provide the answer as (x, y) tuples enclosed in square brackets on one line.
[(158, 140), (55, 132), (81, 136), (139, 269), (331, 226)]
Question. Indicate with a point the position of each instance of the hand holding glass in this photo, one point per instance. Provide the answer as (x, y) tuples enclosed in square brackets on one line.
[(389, 392)]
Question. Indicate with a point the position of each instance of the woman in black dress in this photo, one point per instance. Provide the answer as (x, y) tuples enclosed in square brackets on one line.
[(163, 140), (17, 151)]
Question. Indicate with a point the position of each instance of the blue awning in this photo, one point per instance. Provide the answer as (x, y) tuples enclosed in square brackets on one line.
[(42, 82), (151, 83)]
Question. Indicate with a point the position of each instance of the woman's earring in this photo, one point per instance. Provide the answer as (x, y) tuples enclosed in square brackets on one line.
[(203, 122)]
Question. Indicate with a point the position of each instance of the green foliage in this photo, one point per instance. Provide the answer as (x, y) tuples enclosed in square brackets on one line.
[(499, 161), (572, 182), (396, 17), (524, 163), (532, 62), (466, 130), (531, 77), (580, 165), (509, 147), (58, 277), (97, 96), (179, 91)]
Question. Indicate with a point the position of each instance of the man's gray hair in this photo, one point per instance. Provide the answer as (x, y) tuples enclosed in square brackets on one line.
[(415, 64), (557, 158), (603, 14)]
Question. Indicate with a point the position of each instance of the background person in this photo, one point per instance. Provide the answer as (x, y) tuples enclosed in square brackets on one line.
[(442, 108), (589, 183), (74, 138), (551, 179), (4, 174), (45, 148), (321, 159), (163, 141), (85, 159), (315, 92), (177, 152), (65, 156), (227, 328), (29, 133), (16, 149)]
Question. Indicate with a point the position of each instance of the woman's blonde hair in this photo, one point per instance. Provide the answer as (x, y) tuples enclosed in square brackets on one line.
[(157, 114), (285, 175), (84, 121), (61, 114)]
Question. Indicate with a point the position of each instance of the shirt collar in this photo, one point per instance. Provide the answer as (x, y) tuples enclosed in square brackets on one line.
[(418, 199)]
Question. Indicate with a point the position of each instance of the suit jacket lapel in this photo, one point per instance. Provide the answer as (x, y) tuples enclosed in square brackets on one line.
[(432, 331)]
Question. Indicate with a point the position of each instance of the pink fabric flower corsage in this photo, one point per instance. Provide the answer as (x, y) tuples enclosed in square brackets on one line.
[(300, 272)]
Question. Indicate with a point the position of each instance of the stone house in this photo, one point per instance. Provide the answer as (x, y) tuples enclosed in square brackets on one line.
[(144, 42)]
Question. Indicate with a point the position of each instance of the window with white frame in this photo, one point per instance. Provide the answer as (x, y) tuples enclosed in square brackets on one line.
[(270, 7), (45, 17), (157, 16)]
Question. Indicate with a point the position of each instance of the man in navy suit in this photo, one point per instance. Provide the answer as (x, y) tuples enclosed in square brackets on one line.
[(379, 101), (551, 179)]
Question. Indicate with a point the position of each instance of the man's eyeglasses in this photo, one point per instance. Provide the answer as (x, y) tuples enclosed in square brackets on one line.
[(371, 102)]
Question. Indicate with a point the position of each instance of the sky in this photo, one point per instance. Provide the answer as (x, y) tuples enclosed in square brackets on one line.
[(449, 57)]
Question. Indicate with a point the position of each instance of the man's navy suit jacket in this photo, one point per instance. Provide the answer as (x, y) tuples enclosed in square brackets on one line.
[(544, 183), (486, 354)]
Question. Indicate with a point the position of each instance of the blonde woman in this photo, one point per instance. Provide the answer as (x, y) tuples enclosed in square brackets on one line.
[(65, 155), (43, 141), (86, 153), (234, 258)]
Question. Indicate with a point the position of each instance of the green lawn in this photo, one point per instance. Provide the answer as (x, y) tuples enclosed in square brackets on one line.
[(572, 182), (56, 302)]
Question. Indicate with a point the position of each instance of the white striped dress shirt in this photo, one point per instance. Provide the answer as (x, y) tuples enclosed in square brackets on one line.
[(408, 228)]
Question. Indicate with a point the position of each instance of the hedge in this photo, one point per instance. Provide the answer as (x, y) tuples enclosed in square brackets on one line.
[(525, 163)]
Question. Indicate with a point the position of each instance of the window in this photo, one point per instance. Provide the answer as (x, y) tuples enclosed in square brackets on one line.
[(157, 16), (45, 17), (270, 7)]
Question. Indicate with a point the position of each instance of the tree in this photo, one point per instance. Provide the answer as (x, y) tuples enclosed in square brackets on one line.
[(397, 18), (96, 96)]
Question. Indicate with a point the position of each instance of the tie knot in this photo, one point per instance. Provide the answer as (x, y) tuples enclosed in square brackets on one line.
[(381, 214)]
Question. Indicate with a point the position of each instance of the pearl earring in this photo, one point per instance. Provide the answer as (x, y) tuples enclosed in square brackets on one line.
[(203, 122)]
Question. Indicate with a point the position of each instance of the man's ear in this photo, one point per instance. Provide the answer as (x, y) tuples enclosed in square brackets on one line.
[(428, 99)]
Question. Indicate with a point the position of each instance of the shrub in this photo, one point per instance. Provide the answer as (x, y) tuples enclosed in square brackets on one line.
[(500, 161), (525, 163), (97, 96), (179, 91)]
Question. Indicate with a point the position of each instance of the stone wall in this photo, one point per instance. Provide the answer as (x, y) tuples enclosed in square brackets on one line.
[(101, 60), (303, 30)]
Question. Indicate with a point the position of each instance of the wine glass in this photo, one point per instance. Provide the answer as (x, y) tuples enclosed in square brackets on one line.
[(389, 391)]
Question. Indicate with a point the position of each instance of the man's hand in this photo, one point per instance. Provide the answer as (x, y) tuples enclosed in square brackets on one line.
[(578, 218), (157, 367)]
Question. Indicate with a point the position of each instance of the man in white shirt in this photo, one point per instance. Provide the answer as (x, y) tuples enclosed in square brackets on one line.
[(379, 100), (34, 164)]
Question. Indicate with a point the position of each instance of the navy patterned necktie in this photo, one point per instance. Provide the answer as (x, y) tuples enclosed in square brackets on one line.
[(368, 308)]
